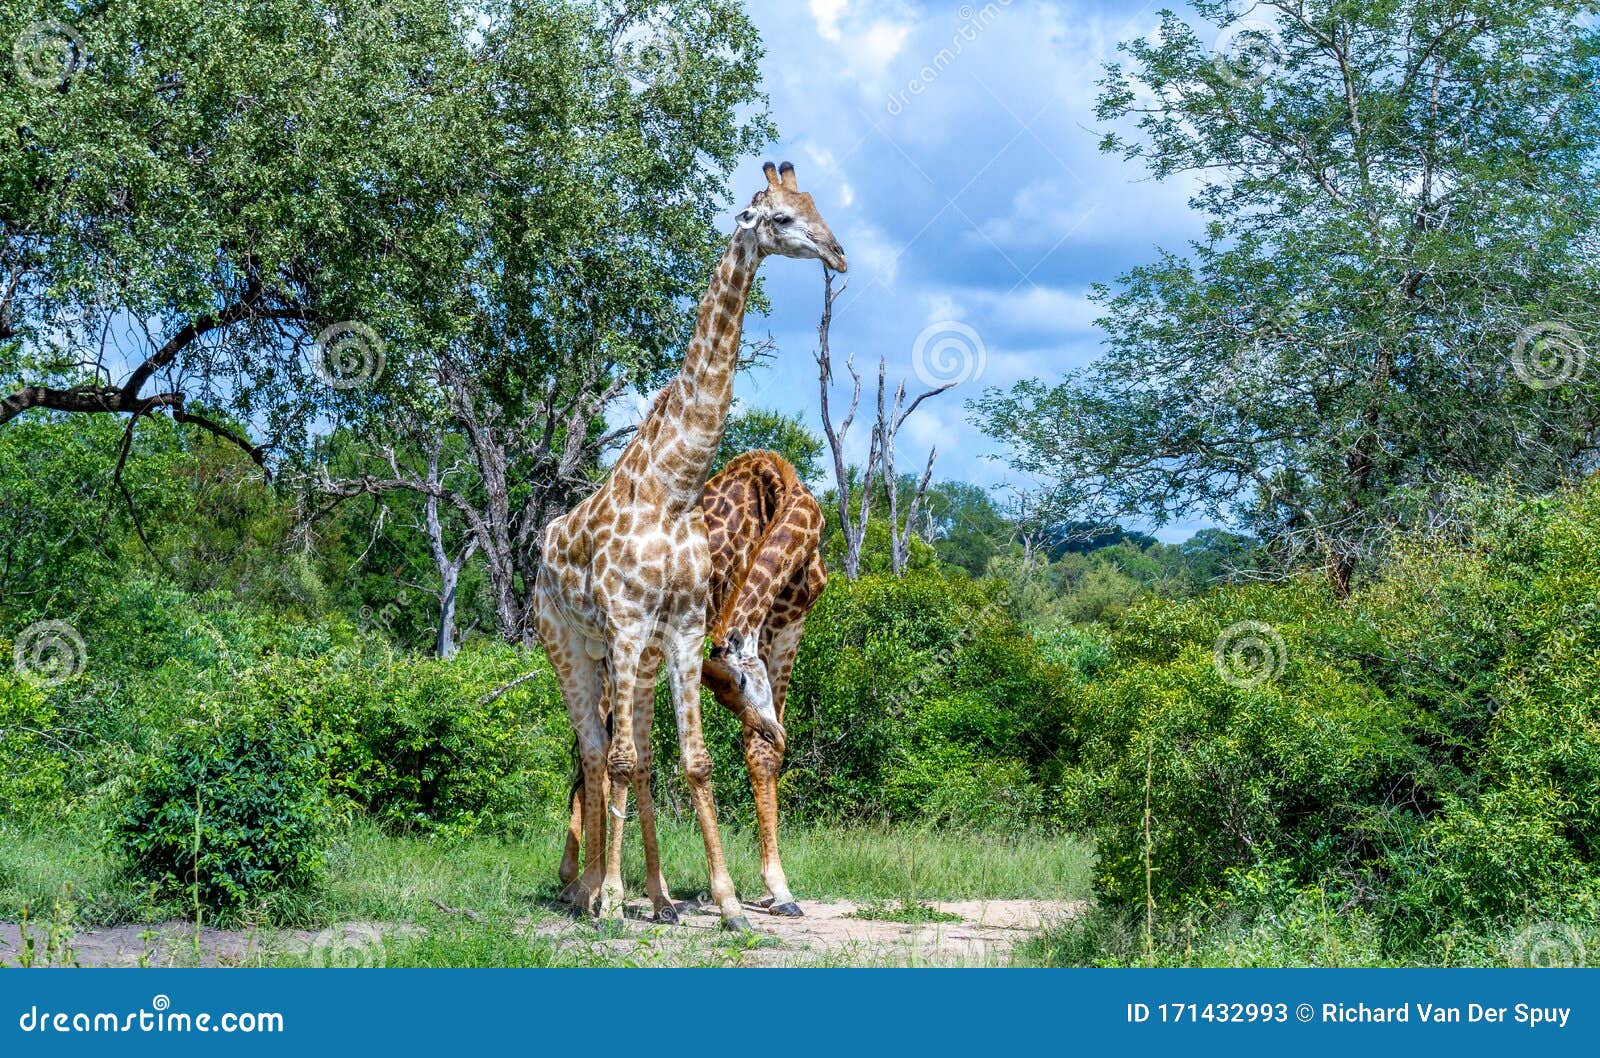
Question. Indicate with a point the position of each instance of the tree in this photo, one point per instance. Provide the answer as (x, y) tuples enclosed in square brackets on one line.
[(206, 206), (852, 525), (1394, 292), (763, 428), (581, 246), (891, 417)]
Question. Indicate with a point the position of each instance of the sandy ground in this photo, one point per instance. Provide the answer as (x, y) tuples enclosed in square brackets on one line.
[(984, 936)]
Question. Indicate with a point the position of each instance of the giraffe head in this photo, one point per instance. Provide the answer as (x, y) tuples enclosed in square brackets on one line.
[(785, 221), (740, 660)]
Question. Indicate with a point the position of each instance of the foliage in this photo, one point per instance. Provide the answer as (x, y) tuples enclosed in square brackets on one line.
[(31, 767), (416, 743), (1428, 751), (230, 810), (1384, 300), (915, 695), (762, 428)]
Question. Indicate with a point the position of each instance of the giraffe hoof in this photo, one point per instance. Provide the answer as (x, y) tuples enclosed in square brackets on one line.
[(736, 924), (789, 910), (667, 915)]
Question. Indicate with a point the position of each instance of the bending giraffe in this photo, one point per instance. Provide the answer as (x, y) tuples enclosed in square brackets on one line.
[(765, 530), (625, 579)]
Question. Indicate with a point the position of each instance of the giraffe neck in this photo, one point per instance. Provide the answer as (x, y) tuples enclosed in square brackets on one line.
[(679, 438)]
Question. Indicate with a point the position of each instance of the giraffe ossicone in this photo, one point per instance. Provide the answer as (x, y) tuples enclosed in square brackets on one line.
[(624, 585)]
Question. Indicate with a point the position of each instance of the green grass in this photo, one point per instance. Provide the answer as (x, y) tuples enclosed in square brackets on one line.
[(909, 911), (375, 876), (1309, 932)]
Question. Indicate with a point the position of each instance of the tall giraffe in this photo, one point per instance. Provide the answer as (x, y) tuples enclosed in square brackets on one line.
[(765, 530), (625, 575)]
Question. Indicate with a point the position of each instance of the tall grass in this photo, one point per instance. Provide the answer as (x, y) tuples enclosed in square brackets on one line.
[(373, 875)]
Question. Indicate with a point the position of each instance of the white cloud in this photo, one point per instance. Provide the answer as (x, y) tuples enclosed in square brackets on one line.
[(826, 13), (873, 255)]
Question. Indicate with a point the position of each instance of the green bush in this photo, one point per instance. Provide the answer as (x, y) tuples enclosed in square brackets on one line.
[(229, 811), (918, 697), (1428, 750), (32, 772), (405, 739)]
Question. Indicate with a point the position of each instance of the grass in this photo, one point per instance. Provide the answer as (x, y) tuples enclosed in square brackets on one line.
[(373, 876), (908, 911), (1309, 932)]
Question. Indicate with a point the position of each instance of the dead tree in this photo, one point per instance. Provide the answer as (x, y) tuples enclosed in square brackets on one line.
[(890, 419), (448, 567), (854, 529)]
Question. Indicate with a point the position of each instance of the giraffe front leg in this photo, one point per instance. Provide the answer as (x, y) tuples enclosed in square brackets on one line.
[(764, 761), (685, 675), (568, 871), (627, 654), (655, 880)]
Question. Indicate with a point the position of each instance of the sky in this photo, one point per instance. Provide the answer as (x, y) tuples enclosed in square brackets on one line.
[(954, 151)]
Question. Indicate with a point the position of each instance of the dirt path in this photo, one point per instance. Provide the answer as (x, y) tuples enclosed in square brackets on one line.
[(827, 935)]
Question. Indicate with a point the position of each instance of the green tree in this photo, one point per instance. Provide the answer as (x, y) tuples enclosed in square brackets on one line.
[(1395, 286), (193, 194), (787, 435)]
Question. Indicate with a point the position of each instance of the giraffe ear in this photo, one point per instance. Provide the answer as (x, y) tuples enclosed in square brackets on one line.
[(748, 217), (772, 174), (786, 171)]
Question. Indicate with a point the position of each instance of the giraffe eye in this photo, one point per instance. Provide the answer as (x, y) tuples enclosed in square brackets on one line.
[(781, 218)]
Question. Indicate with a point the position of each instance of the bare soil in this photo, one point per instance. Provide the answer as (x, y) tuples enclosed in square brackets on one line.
[(826, 935)]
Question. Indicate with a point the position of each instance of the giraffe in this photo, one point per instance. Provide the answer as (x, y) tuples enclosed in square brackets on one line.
[(765, 531), (625, 575)]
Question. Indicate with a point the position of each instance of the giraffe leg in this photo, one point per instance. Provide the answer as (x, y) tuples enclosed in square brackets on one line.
[(627, 654), (569, 855), (582, 689), (765, 760), (684, 671), (644, 707)]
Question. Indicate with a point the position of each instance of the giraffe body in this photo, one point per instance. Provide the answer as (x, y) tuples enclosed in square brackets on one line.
[(624, 585), (765, 532)]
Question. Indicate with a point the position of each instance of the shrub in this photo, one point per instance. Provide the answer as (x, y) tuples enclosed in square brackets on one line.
[(411, 741), (1430, 747), (915, 695), (1234, 776), (230, 810), (31, 772)]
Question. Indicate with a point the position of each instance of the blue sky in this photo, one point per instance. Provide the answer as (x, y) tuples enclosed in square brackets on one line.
[(967, 189)]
